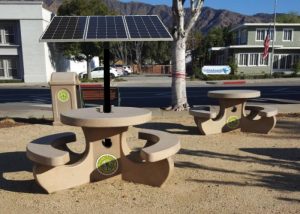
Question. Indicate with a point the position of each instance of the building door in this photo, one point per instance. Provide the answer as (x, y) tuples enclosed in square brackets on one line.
[(8, 68)]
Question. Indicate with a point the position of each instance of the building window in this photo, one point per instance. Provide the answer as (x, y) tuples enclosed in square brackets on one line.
[(1, 68), (276, 61), (262, 33), (220, 60), (244, 36), (288, 62), (283, 62), (243, 59), (12, 67), (253, 59), (287, 34), (296, 59), (7, 34), (263, 61), (8, 67)]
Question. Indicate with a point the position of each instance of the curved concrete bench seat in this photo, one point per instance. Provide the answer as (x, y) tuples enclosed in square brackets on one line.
[(162, 145), (208, 114), (51, 150), (261, 119), (206, 120), (263, 111), (154, 164)]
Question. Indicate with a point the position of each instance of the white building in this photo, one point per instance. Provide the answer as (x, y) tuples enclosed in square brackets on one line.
[(22, 56)]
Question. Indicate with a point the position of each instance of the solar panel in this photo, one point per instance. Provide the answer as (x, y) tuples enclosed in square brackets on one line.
[(105, 29), (64, 29), (147, 28)]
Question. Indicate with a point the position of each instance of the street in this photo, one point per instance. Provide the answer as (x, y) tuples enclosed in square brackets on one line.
[(160, 96)]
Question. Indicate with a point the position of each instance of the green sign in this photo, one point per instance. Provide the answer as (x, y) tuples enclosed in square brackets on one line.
[(233, 122), (63, 95), (107, 164)]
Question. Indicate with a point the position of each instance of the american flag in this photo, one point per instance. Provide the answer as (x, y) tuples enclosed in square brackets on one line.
[(266, 45)]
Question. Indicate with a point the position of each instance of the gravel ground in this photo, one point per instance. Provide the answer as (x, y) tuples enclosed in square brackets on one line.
[(224, 173)]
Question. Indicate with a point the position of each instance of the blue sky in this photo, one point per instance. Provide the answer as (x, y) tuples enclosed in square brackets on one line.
[(248, 7)]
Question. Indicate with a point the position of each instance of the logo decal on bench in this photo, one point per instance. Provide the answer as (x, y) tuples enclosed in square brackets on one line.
[(233, 122), (107, 164), (63, 95)]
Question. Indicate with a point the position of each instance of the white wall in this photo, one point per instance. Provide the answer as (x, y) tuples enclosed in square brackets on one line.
[(39, 60), (33, 20)]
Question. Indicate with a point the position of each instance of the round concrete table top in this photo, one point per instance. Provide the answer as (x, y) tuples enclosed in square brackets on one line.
[(234, 94), (94, 117)]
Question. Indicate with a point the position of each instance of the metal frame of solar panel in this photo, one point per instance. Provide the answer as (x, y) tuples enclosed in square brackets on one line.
[(106, 29)]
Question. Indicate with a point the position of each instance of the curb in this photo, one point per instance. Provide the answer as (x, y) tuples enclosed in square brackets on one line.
[(235, 82), (239, 82)]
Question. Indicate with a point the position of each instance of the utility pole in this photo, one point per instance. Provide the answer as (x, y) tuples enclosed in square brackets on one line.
[(274, 33)]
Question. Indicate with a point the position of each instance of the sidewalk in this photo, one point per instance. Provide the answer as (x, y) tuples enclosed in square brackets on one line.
[(31, 110), (165, 81)]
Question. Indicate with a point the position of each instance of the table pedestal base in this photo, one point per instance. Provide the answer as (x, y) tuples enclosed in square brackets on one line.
[(232, 116)]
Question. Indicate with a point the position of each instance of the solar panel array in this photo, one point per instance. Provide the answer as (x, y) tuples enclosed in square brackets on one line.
[(106, 28)]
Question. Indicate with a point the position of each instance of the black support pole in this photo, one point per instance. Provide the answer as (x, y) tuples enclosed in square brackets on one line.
[(107, 106)]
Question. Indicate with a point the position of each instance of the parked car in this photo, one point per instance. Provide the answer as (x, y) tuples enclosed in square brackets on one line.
[(119, 69), (98, 72), (127, 69)]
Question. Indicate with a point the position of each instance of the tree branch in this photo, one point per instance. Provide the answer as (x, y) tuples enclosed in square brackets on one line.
[(195, 13)]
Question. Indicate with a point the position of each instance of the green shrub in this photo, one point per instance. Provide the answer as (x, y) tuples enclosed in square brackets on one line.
[(296, 67), (233, 65), (11, 81)]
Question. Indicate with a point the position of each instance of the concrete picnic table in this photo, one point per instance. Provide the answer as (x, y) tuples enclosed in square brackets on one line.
[(107, 153), (233, 114)]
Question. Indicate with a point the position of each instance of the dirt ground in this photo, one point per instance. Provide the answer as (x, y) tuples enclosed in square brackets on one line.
[(224, 173)]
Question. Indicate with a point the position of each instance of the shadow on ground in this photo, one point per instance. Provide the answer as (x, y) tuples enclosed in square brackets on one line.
[(284, 158), (14, 162), (284, 130), (172, 128)]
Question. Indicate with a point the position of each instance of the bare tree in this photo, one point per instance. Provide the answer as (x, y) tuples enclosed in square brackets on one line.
[(119, 49), (138, 54), (180, 34)]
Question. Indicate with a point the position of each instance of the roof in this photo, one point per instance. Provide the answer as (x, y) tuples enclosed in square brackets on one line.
[(264, 25), (39, 2)]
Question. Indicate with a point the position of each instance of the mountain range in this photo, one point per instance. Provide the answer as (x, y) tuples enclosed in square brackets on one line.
[(209, 18)]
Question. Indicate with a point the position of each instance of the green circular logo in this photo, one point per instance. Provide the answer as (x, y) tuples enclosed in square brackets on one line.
[(107, 164), (63, 95), (233, 122)]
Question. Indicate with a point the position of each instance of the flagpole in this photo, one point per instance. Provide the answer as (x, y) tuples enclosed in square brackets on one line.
[(274, 34)]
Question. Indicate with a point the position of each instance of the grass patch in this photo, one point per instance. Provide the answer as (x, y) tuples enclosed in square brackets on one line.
[(13, 122)]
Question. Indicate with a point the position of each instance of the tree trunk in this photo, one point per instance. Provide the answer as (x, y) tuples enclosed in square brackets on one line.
[(138, 54), (179, 97), (180, 35), (88, 66)]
